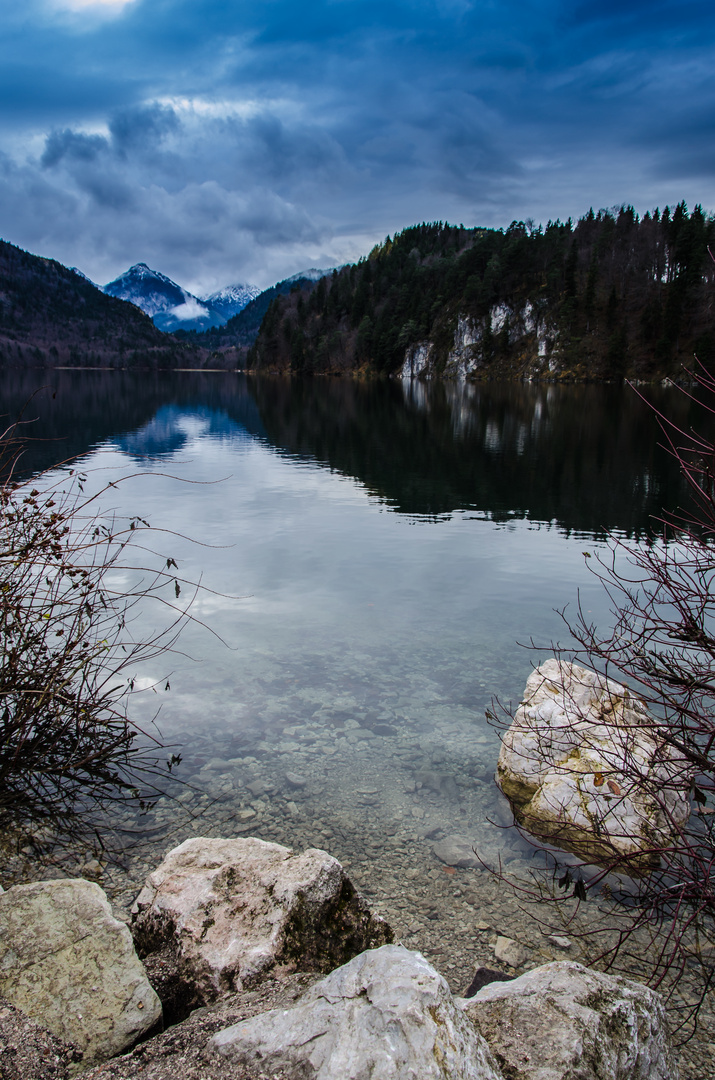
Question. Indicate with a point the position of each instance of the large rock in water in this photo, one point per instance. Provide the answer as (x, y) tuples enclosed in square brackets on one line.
[(586, 768), (387, 1015), (233, 909), (67, 963), (563, 1021)]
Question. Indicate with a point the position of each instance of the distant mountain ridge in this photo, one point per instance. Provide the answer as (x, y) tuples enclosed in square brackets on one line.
[(51, 315), (231, 299), (241, 330), (170, 306)]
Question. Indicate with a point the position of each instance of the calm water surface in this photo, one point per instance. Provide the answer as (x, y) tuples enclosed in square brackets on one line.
[(389, 545)]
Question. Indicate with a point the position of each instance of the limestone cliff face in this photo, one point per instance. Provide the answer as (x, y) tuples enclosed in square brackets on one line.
[(518, 336)]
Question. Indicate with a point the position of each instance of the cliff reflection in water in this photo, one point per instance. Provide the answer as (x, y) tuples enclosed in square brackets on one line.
[(585, 458)]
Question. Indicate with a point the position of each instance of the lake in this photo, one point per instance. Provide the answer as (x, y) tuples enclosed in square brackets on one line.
[(376, 556)]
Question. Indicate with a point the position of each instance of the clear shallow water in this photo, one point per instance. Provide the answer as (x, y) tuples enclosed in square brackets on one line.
[(373, 554)]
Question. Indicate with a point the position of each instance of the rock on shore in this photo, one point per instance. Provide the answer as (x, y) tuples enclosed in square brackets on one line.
[(587, 769), (563, 1021), (243, 920), (386, 1014), (68, 964), (234, 909)]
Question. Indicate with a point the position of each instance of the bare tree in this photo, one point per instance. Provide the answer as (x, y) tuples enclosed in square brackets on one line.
[(69, 749)]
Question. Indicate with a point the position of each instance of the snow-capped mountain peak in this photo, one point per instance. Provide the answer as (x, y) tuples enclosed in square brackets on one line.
[(231, 299), (170, 306)]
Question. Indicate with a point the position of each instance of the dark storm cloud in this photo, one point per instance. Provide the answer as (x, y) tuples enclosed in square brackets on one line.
[(219, 140), (147, 125), (73, 146)]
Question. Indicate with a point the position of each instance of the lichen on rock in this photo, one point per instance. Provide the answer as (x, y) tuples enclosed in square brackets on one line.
[(563, 1021), (67, 963)]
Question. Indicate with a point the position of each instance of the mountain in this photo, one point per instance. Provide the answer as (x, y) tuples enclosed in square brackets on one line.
[(311, 275), (241, 330), (231, 299), (81, 273), (169, 306), (609, 296), (51, 315)]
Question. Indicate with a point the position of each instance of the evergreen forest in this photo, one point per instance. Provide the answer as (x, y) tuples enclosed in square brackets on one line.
[(611, 295)]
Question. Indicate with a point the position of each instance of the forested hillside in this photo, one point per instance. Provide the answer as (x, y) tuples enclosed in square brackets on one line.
[(52, 315), (231, 342), (612, 295)]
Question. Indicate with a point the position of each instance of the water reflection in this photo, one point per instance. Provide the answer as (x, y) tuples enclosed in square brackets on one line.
[(392, 543), (585, 458), (173, 428)]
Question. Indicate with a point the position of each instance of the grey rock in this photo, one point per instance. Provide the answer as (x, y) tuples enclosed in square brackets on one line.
[(563, 1021), (234, 909), (295, 780), (67, 963), (510, 952), (387, 1015), (457, 851), (559, 941)]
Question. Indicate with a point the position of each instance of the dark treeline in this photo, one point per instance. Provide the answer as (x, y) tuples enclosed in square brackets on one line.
[(613, 294), (242, 329), (50, 315)]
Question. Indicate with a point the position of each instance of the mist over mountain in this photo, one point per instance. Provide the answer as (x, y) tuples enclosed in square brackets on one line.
[(171, 307)]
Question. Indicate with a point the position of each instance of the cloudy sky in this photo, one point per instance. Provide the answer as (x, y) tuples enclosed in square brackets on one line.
[(221, 140)]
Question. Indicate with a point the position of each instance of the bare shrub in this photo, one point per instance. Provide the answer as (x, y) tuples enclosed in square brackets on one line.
[(656, 902), (69, 750)]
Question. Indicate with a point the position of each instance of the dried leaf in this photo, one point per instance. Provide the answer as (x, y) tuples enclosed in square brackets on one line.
[(579, 890), (614, 787), (597, 779)]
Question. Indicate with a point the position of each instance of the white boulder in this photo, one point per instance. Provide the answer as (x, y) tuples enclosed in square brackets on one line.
[(68, 964), (586, 768), (387, 1015), (563, 1021), (232, 909)]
